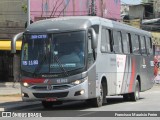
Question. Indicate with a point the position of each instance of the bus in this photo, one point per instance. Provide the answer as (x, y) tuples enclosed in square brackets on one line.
[(84, 58)]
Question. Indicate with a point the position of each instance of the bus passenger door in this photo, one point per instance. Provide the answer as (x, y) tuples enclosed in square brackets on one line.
[(121, 64)]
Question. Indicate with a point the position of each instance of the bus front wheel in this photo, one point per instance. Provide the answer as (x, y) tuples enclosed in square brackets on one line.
[(97, 102)]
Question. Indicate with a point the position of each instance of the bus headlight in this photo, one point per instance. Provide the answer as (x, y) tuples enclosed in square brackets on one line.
[(77, 82), (25, 84)]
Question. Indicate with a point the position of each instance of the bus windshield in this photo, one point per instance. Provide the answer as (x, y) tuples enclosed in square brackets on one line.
[(53, 53)]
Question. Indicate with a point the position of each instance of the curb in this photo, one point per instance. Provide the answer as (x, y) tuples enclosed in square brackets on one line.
[(10, 84), (11, 95)]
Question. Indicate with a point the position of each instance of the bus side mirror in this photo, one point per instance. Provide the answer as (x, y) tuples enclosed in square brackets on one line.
[(93, 38), (13, 42)]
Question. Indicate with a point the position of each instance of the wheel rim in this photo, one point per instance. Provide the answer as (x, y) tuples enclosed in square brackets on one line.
[(137, 92), (100, 98)]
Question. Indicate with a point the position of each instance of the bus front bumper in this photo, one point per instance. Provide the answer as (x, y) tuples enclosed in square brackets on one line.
[(77, 92)]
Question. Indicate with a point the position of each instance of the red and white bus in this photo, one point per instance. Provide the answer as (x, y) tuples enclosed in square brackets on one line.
[(113, 59)]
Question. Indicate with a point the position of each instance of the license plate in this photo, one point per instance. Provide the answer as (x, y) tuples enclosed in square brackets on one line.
[(51, 99)]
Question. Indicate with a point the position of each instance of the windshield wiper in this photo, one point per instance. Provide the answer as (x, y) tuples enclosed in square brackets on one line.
[(39, 65), (60, 65)]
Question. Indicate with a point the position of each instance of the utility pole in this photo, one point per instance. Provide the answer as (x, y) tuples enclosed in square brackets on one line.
[(28, 12), (73, 7), (93, 7)]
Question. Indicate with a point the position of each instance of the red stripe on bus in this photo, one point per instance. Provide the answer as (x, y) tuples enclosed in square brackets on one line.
[(132, 76), (32, 80)]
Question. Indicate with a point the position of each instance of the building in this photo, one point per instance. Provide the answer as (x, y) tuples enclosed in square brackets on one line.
[(156, 5), (12, 20), (41, 9), (140, 11)]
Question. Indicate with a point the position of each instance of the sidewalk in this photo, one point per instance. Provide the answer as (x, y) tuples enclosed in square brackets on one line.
[(10, 97), (9, 88)]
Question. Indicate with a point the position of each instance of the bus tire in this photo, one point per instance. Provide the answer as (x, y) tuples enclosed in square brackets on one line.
[(98, 102), (47, 105), (126, 97), (136, 94)]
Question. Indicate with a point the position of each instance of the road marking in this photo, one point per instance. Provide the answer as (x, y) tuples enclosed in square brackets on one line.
[(136, 102), (86, 114)]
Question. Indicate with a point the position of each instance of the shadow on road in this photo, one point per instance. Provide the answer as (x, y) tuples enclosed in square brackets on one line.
[(81, 105)]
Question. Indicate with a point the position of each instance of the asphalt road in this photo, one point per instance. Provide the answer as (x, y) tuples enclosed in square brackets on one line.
[(149, 101)]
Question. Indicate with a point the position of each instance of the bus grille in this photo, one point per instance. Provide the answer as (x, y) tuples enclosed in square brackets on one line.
[(40, 87), (50, 95), (55, 87)]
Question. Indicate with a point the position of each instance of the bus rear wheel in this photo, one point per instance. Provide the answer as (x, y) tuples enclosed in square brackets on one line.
[(136, 94)]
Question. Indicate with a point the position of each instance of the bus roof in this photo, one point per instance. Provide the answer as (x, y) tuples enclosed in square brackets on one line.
[(63, 24), (78, 23)]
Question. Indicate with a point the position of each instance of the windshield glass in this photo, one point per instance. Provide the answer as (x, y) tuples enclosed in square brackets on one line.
[(53, 53)]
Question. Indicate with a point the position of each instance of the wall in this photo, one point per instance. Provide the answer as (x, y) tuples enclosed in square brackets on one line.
[(124, 9), (157, 8), (11, 10), (56, 8), (12, 18), (136, 11)]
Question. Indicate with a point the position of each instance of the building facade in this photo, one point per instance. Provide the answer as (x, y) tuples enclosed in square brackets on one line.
[(41, 9), (12, 20), (157, 8)]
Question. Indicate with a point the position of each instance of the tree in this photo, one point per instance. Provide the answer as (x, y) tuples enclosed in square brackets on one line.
[(24, 8)]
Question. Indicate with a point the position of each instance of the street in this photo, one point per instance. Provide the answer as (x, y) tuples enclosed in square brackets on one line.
[(149, 101)]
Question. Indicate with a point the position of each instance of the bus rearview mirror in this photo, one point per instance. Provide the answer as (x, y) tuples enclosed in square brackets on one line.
[(93, 38), (13, 42)]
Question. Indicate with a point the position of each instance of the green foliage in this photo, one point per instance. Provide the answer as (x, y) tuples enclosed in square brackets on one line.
[(146, 1), (24, 8)]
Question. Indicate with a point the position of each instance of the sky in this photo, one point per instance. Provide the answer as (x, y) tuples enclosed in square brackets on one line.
[(130, 1)]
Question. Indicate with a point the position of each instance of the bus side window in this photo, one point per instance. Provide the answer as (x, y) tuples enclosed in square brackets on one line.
[(106, 41), (125, 42), (135, 44), (149, 46), (117, 42), (143, 45), (130, 43)]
